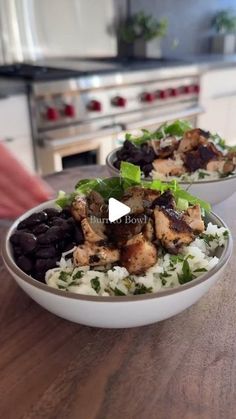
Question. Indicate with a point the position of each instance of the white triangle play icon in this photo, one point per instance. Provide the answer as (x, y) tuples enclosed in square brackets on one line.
[(116, 210)]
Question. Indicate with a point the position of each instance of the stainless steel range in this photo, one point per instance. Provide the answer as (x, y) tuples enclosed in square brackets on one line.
[(78, 107)]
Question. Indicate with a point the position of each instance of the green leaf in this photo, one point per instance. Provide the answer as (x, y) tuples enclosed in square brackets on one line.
[(109, 187), (118, 292), (178, 128), (141, 289), (63, 276), (63, 200), (95, 284), (182, 204), (186, 275), (130, 171), (181, 193)]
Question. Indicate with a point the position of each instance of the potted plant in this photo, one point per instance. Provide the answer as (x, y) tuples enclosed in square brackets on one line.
[(224, 41), (139, 36)]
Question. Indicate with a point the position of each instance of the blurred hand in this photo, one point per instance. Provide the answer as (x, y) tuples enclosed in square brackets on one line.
[(19, 189)]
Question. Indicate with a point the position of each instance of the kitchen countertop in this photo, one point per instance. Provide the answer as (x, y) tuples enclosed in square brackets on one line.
[(171, 68), (183, 367)]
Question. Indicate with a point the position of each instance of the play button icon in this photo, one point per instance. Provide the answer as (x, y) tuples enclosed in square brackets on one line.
[(116, 210)]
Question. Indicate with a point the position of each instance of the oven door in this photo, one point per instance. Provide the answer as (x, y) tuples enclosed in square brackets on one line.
[(151, 120), (73, 146)]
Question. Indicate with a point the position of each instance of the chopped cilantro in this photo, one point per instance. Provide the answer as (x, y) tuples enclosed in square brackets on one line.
[(226, 233), (64, 276), (95, 283), (141, 289), (118, 292), (202, 175), (78, 275), (186, 275)]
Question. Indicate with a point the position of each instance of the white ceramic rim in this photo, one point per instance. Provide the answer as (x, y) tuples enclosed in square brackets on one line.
[(11, 265), (109, 163)]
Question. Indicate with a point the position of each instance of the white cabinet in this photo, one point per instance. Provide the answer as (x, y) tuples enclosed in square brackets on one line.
[(15, 131), (218, 98)]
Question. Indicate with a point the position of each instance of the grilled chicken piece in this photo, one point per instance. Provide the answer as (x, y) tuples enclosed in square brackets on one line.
[(148, 231), (165, 147), (79, 208), (221, 166), (192, 216), (192, 139), (171, 229), (166, 200), (93, 255), (93, 230), (138, 255), (96, 204), (169, 167), (125, 230), (139, 198)]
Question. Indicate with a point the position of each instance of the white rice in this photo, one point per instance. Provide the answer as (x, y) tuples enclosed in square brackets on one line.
[(201, 174), (168, 272)]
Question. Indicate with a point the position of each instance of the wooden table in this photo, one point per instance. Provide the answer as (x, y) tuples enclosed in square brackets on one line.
[(181, 368)]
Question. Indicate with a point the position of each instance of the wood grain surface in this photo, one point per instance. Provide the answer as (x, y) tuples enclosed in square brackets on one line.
[(181, 368)]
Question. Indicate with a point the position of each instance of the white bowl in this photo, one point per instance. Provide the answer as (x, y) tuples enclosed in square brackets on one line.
[(212, 191), (115, 312)]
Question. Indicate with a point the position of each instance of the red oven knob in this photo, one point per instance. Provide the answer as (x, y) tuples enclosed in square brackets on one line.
[(188, 89), (174, 92), (164, 94), (69, 110), (95, 106), (119, 101), (52, 114), (196, 88), (148, 97)]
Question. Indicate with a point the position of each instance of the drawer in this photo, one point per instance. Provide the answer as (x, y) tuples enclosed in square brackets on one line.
[(14, 116)]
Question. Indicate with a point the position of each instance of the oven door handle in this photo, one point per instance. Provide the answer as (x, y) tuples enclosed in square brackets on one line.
[(160, 119)]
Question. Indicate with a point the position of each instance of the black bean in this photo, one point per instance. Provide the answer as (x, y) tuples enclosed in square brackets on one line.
[(78, 234), (66, 213), (68, 246), (40, 229), (42, 265), (45, 252), (25, 263), (17, 251), (57, 221), (32, 220), (52, 212), (15, 237), (28, 242), (54, 234), (40, 276)]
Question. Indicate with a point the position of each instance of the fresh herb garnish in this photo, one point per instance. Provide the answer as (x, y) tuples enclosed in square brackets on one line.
[(141, 289), (95, 284), (63, 276), (118, 292), (78, 275), (202, 175), (186, 275)]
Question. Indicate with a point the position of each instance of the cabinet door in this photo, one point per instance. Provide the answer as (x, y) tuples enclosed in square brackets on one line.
[(21, 147), (231, 124), (215, 119), (14, 116)]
